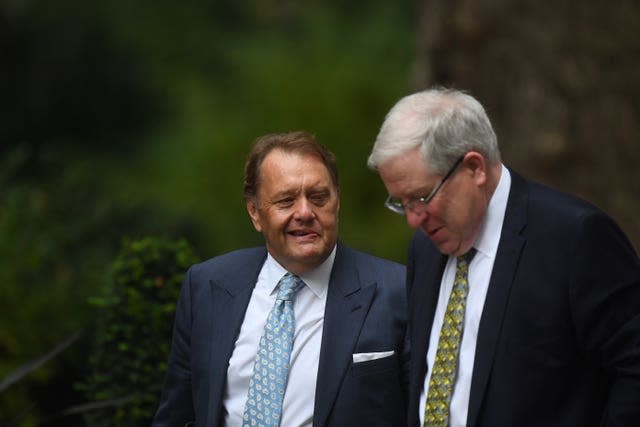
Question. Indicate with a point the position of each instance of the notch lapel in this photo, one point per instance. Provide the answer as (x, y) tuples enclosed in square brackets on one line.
[(347, 305), (502, 276), (425, 269), (230, 295), (423, 300)]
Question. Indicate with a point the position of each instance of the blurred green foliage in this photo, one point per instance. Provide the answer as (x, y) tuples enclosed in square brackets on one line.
[(134, 118), (58, 236), (133, 332)]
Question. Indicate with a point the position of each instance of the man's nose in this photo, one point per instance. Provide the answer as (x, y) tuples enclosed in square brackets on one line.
[(304, 209), (415, 219)]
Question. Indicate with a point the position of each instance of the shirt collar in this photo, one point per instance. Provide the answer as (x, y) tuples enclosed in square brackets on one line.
[(317, 279), (489, 236)]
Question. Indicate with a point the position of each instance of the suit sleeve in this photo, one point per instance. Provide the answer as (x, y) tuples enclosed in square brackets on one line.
[(605, 296), (176, 402)]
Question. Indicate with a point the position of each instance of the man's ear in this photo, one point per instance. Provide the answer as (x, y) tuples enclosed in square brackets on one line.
[(252, 209), (477, 165)]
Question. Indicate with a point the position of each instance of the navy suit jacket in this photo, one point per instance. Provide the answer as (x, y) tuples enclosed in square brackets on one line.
[(365, 312), (559, 336)]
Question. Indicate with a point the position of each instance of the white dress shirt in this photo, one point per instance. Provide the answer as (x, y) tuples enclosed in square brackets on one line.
[(308, 305), (479, 275)]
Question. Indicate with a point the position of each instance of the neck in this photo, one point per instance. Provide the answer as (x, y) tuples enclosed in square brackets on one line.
[(493, 178)]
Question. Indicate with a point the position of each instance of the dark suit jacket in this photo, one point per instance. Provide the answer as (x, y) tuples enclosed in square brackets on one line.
[(559, 336), (365, 312)]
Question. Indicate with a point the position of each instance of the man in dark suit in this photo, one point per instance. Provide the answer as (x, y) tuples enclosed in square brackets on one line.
[(542, 327), (348, 361)]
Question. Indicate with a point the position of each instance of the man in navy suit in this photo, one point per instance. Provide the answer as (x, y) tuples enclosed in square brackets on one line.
[(551, 320), (349, 358)]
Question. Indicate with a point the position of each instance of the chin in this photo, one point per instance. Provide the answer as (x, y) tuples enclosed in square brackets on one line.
[(447, 249)]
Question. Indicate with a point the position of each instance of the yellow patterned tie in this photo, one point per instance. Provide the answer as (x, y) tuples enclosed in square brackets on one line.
[(445, 366)]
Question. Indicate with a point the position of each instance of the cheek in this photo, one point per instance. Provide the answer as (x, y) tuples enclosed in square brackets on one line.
[(466, 219), (447, 217), (274, 223), (328, 217)]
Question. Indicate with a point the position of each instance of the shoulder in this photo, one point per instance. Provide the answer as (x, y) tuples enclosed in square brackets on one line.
[(228, 263), (539, 196), (372, 266), (555, 208), (564, 220)]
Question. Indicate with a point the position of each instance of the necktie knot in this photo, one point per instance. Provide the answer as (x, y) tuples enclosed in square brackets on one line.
[(289, 285), (465, 259)]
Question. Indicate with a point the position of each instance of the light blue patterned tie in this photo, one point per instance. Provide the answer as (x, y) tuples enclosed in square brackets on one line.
[(269, 379)]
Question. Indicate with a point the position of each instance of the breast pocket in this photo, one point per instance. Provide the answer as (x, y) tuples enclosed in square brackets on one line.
[(380, 366), (371, 395)]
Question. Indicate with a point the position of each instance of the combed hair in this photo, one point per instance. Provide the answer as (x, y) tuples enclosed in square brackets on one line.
[(443, 123), (298, 142)]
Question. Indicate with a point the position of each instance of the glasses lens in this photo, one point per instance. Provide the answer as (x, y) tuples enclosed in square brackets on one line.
[(394, 205)]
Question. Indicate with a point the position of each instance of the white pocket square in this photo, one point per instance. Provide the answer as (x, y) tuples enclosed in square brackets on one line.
[(365, 357)]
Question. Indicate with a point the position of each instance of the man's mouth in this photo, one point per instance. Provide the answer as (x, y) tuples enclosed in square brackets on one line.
[(433, 231), (302, 233)]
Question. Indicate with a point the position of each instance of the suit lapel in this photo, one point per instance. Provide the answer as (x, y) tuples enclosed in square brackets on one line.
[(348, 302), (423, 299), (504, 269), (230, 295)]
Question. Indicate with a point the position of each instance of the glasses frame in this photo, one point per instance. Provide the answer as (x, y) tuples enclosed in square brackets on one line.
[(401, 209)]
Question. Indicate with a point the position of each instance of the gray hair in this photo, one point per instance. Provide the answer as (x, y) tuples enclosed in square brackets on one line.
[(444, 123)]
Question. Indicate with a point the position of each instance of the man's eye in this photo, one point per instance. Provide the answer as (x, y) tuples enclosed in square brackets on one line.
[(286, 202), (319, 198)]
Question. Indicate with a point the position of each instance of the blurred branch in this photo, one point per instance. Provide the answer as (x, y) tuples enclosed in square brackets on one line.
[(92, 406), (88, 407), (31, 366)]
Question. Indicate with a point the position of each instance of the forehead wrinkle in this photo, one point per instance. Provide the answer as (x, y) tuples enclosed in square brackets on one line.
[(300, 176)]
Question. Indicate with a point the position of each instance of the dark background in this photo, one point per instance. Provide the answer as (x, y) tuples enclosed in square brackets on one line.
[(122, 118)]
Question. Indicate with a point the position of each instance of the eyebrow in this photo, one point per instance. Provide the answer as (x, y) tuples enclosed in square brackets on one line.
[(419, 193), (323, 190), (285, 193)]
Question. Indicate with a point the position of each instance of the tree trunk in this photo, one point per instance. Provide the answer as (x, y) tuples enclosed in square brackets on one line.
[(560, 82)]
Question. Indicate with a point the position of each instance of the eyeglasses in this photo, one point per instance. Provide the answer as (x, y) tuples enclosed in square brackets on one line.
[(419, 204)]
